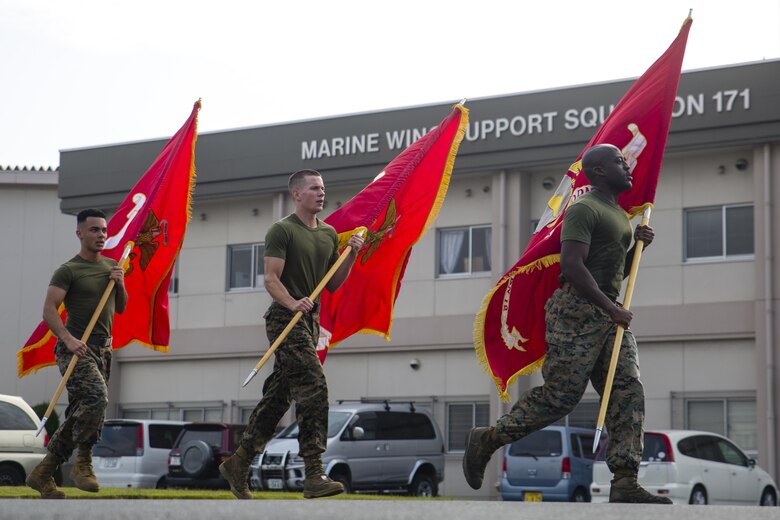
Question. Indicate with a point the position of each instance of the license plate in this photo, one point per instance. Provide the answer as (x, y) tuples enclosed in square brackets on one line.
[(532, 496), (109, 463), (275, 483)]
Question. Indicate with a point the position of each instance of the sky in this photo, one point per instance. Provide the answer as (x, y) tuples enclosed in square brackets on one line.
[(83, 73)]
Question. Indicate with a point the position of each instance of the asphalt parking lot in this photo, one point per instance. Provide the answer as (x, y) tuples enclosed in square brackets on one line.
[(23, 509)]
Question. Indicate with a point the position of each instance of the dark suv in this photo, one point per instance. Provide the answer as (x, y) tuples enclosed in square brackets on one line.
[(199, 450)]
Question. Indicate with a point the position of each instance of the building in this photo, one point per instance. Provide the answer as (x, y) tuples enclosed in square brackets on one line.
[(705, 301)]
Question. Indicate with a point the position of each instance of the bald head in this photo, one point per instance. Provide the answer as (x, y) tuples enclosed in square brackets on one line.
[(596, 156)]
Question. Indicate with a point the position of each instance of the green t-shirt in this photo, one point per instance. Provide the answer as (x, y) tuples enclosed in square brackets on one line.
[(85, 282), (307, 252), (605, 227)]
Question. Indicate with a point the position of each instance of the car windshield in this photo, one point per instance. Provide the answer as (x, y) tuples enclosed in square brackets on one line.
[(336, 421), (544, 443), (117, 440)]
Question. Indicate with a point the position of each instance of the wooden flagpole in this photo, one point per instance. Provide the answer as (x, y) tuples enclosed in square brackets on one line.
[(289, 327), (619, 336), (84, 338)]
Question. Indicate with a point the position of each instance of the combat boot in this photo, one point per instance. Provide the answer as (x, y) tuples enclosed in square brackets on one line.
[(236, 470), (82, 474), (480, 445), (317, 484), (625, 489), (41, 478)]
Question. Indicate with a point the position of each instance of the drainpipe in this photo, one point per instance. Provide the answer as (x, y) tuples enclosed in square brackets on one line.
[(768, 307)]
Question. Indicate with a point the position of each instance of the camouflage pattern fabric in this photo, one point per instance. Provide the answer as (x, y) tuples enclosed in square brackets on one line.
[(580, 337), (297, 376), (87, 399)]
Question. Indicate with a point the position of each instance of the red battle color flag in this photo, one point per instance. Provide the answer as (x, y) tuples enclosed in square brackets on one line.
[(154, 216), (397, 207), (509, 330)]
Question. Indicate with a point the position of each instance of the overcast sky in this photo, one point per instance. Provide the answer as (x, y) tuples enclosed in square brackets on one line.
[(81, 73)]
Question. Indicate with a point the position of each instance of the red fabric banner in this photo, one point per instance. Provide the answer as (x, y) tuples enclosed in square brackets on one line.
[(509, 330), (397, 207), (154, 216)]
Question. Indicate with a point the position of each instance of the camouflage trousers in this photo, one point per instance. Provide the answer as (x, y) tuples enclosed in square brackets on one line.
[(87, 399), (580, 337), (297, 376)]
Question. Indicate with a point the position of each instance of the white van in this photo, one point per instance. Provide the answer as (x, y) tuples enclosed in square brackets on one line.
[(133, 453)]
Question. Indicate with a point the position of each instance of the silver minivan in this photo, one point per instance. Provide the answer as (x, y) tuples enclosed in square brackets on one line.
[(371, 446), (552, 464), (133, 453)]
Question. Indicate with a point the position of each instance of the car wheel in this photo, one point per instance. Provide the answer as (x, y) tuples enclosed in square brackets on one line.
[(195, 458), (423, 486), (768, 497), (162, 484), (698, 496), (341, 476), (580, 495), (10, 476)]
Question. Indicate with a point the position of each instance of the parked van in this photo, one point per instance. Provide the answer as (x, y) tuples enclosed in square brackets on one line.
[(133, 453), (20, 449), (371, 446), (552, 464)]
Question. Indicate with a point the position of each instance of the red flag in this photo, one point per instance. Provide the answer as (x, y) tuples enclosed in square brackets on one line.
[(397, 207), (154, 216), (509, 330)]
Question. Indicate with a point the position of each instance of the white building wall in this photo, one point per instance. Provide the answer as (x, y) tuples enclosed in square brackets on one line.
[(36, 239)]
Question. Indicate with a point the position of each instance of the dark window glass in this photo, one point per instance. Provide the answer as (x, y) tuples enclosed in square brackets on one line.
[(587, 446), (732, 454), (367, 421), (655, 448), (404, 426), (707, 448), (240, 266), (118, 440), (687, 447), (14, 418), (163, 435), (704, 232), (739, 230), (575, 446), (543, 443), (480, 249)]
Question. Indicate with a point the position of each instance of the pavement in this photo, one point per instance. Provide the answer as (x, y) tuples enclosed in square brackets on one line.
[(29, 509)]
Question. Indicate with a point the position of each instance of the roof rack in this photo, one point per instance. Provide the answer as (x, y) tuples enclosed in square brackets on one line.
[(386, 402)]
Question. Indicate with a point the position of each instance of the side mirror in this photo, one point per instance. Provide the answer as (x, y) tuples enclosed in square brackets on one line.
[(751, 463), (358, 433)]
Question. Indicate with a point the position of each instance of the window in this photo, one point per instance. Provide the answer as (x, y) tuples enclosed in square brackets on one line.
[(732, 418), (245, 266), (163, 435), (719, 232), (173, 288), (542, 443), (14, 418), (404, 426), (464, 250), (462, 417)]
